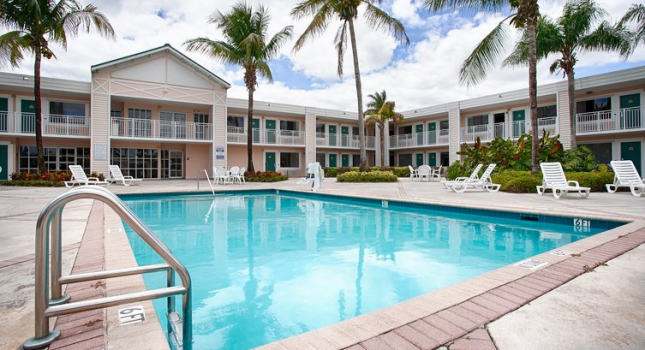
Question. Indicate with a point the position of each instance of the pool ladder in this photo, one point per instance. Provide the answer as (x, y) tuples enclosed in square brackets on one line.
[(199, 173), (49, 221)]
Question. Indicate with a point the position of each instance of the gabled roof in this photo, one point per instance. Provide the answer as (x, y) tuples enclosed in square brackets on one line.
[(172, 51)]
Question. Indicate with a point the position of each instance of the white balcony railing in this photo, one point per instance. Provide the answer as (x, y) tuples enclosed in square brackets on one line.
[(343, 141), (608, 121), (485, 133), (266, 136), (157, 129), (416, 139), (52, 124), (549, 124)]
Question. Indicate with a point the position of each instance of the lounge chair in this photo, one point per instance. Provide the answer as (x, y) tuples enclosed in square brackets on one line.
[(120, 179), (553, 178), (473, 177), (484, 182), (79, 178), (414, 174), (625, 175)]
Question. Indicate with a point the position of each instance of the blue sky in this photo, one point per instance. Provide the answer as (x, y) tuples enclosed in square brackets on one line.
[(421, 75)]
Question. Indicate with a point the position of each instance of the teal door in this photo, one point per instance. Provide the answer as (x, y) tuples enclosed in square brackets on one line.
[(4, 108), (432, 159), (630, 114), (333, 161), (632, 151), (332, 135), (4, 162), (256, 130), (269, 161), (419, 159), (344, 160), (432, 135), (28, 118), (419, 129), (269, 125), (518, 123), (344, 141)]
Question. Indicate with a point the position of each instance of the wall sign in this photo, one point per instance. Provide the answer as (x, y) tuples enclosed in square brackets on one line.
[(100, 151), (219, 153)]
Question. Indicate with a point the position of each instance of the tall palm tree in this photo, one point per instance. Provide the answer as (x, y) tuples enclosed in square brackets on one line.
[(379, 112), (246, 45), (636, 13), (323, 11), (488, 51), (578, 30), (32, 26)]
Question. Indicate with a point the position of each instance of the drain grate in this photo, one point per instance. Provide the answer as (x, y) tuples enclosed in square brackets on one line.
[(531, 264)]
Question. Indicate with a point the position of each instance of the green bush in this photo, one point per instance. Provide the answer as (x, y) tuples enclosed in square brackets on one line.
[(371, 176), (524, 182), (264, 176), (331, 171), (32, 183), (595, 180), (522, 185), (458, 169), (398, 171)]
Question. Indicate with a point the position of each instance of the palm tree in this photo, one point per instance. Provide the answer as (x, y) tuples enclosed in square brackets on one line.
[(488, 51), (34, 24), (574, 32), (245, 44), (380, 111), (636, 13), (323, 11)]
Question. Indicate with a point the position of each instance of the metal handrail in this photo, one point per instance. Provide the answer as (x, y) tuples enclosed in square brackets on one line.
[(207, 179), (50, 220)]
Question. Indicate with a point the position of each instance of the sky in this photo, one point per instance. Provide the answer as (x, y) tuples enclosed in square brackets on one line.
[(423, 74)]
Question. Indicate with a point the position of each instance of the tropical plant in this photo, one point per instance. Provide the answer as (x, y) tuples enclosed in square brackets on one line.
[(578, 30), (32, 26), (323, 11), (636, 13), (488, 51), (245, 45), (380, 111)]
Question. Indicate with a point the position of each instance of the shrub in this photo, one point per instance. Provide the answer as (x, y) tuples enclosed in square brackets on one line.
[(458, 169), (56, 178), (522, 185), (595, 180), (264, 176), (371, 176), (331, 171), (32, 183), (335, 171)]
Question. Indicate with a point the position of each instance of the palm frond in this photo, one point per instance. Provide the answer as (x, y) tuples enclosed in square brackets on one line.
[(636, 13), (340, 42), (548, 40), (381, 20), (273, 46), (607, 37), (476, 5), (318, 24), (264, 70), (485, 54), (11, 49)]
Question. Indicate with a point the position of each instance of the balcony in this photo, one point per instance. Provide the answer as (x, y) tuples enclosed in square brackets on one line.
[(343, 141), (156, 129), (485, 133), (418, 139), (52, 124), (609, 121), (549, 125), (238, 135)]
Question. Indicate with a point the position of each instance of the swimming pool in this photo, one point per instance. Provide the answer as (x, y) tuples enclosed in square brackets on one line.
[(267, 265)]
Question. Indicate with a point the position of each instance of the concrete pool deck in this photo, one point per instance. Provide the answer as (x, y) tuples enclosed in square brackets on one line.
[(557, 318)]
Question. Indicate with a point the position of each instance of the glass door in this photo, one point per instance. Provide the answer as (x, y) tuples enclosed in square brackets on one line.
[(172, 163)]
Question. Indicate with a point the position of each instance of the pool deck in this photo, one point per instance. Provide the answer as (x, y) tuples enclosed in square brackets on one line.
[(591, 298)]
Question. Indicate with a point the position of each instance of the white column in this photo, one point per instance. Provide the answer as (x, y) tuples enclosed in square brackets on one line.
[(100, 123), (564, 124), (219, 153), (454, 120), (310, 137)]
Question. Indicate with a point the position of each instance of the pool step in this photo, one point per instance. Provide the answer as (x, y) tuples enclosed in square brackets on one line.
[(174, 333)]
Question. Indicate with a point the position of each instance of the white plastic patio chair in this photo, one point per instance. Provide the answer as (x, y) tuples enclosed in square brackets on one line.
[(424, 172), (553, 178), (473, 177), (240, 175), (220, 176), (626, 175), (79, 178), (414, 173), (436, 173), (484, 182), (234, 174), (118, 177)]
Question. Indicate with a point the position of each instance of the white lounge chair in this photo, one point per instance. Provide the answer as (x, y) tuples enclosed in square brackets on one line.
[(116, 176), (484, 182), (553, 178), (79, 178), (414, 174), (473, 177), (625, 175)]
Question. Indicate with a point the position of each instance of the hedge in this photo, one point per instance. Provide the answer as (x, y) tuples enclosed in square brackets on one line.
[(371, 176), (401, 171), (524, 182), (264, 176), (32, 183)]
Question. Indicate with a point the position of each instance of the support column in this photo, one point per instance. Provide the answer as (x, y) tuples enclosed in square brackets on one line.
[(310, 137), (564, 124), (219, 150), (454, 120), (100, 124), (386, 131)]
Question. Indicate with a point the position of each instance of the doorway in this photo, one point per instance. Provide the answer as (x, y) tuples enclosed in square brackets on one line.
[(632, 151), (269, 161), (172, 164)]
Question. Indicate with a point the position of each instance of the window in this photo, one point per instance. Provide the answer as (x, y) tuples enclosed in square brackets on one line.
[(200, 118), (356, 159), (405, 159), (405, 129), (289, 125), (289, 160), (114, 113), (355, 130), (142, 163), (142, 125), (202, 128), (602, 151), (320, 128), (172, 125), (320, 158), (547, 111), (83, 158), (444, 125), (236, 122), (66, 112), (595, 105), (56, 158), (137, 113), (478, 120)]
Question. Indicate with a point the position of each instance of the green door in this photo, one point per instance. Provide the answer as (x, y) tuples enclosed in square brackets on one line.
[(332, 135), (344, 138), (629, 112), (256, 130), (4, 162), (269, 161), (419, 129), (432, 159), (269, 125), (419, 159), (28, 118), (344, 160), (333, 161), (432, 135), (4, 108), (632, 151), (518, 123)]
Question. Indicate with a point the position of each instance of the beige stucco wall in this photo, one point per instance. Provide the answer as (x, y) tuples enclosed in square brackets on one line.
[(196, 158)]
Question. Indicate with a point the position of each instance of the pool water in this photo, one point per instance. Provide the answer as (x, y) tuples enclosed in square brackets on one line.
[(266, 267)]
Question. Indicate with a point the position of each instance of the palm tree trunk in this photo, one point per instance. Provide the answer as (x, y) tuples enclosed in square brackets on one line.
[(249, 133), (531, 28), (359, 95), (571, 90), (38, 113)]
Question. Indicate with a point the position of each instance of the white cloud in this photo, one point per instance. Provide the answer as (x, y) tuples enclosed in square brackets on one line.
[(426, 73)]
